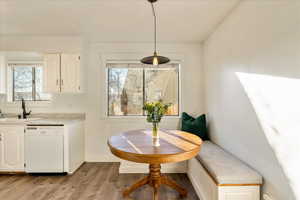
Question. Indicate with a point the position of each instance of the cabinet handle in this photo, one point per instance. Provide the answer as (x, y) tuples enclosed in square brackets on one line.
[(0, 137), (56, 81), (62, 82)]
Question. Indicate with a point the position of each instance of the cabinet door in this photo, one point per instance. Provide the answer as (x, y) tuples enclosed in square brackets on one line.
[(52, 73), (70, 73), (12, 148)]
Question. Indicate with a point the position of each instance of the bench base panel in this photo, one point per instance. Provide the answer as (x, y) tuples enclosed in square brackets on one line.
[(207, 189)]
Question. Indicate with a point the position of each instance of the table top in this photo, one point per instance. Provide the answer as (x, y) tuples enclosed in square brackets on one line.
[(136, 146)]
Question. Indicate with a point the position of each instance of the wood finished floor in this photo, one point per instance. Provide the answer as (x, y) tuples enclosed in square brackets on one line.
[(93, 181)]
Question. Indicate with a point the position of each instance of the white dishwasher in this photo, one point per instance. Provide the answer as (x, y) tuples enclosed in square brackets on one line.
[(44, 149)]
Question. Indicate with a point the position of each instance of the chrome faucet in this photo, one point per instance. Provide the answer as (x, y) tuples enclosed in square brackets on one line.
[(24, 114)]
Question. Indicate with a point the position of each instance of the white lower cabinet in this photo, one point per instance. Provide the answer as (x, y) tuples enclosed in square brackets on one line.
[(12, 148), (59, 150)]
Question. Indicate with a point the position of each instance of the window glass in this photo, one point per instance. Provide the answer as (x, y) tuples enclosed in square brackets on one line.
[(125, 91), (27, 83), (23, 77), (39, 94), (162, 85), (132, 85)]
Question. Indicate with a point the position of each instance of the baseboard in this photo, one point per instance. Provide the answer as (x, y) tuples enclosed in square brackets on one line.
[(76, 167), (129, 167), (12, 172), (103, 158)]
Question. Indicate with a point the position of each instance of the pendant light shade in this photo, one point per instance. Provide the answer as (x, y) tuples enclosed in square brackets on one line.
[(155, 59)]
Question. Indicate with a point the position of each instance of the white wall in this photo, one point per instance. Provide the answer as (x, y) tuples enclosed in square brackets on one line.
[(99, 128), (259, 37), (92, 102)]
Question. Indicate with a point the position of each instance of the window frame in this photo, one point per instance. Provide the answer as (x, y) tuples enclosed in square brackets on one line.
[(11, 72), (143, 66)]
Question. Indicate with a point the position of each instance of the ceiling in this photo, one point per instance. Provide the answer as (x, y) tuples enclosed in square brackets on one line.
[(113, 20)]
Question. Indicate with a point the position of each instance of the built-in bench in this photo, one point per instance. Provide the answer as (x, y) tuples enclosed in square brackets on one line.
[(218, 175)]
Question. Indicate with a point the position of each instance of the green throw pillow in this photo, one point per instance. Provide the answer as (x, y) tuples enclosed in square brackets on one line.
[(193, 125)]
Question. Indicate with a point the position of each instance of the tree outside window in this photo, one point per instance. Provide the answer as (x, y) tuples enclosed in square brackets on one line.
[(28, 83), (131, 85)]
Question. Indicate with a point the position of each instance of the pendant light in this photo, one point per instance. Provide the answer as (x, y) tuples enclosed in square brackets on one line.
[(155, 59)]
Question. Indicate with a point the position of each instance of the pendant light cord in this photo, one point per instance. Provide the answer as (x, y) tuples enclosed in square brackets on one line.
[(155, 23), (155, 59)]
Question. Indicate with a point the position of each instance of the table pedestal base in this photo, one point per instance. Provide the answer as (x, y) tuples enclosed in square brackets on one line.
[(155, 179)]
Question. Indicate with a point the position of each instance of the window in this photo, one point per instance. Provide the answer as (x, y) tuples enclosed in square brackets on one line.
[(131, 85), (27, 82)]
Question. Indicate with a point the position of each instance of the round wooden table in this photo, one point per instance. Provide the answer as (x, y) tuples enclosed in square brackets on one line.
[(136, 146)]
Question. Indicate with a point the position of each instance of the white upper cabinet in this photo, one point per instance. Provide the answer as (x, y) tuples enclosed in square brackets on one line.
[(52, 73), (70, 73), (11, 148), (62, 73)]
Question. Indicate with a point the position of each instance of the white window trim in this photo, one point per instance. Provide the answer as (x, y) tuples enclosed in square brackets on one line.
[(16, 104), (106, 61)]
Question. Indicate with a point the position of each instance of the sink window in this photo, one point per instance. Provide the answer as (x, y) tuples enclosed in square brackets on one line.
[(27, 82)]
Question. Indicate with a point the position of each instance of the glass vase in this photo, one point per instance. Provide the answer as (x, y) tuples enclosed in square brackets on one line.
[(155, 135)]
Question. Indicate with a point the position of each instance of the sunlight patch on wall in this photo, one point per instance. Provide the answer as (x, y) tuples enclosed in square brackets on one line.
[(276, 101)]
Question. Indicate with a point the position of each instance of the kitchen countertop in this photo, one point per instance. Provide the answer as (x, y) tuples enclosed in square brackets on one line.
[(53, 118), (52, 121)]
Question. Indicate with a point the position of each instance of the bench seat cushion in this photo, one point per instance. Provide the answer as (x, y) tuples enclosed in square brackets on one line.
[(224, 167)]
